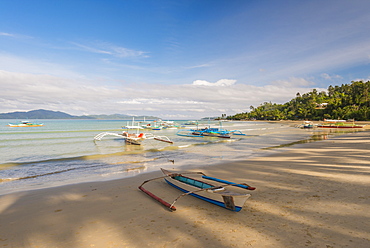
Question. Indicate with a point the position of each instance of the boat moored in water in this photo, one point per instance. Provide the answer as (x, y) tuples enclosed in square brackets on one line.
[(26, 124), (134, 138), (209, 132)]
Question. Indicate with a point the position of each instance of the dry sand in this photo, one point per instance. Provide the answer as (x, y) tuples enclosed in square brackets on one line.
[(312, 195)]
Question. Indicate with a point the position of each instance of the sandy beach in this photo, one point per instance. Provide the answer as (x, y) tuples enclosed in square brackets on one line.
[(309, 195)]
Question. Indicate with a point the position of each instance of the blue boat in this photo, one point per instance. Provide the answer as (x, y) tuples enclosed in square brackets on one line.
[(214, 192), (209, 132)]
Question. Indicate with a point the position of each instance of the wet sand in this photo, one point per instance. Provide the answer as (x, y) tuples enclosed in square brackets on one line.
[(309, 195)]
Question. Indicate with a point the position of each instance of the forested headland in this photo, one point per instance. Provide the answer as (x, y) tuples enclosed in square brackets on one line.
[(348, 101)]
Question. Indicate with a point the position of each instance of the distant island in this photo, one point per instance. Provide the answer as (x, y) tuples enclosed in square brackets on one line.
[(49, 114)]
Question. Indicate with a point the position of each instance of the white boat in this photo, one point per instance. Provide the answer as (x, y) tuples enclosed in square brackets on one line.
[(134, 138), (25, 124), (132, 126)]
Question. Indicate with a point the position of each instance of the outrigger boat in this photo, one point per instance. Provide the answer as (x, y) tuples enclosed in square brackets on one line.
[(159, 125), (214, 192), (209, 132), (306, 124), (134, 138), (339, 124), (25, 124)]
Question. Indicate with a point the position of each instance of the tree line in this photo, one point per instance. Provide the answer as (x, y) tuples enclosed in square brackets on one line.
[(348, 101)]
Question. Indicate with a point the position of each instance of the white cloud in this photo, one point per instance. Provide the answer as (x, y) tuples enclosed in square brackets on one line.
[(22, 91), (330, 77), (125, 52), (339, 56), (17, 36), (6, 34), (198, 66), (293, 82), (91, 49), (109, 49), (221, 82), (10, 62)]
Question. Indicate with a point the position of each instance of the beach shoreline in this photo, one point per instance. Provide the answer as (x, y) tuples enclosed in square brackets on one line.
[(310, 195)]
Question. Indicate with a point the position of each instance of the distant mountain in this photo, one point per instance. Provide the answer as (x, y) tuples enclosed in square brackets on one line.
[(49, 114), (37, 114)]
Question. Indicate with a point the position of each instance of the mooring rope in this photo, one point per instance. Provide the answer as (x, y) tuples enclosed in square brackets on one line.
[(161, 153)]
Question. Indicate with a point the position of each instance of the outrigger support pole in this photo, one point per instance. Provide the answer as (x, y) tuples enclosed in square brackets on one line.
[(172, 208), (191, 192), (212, 188), (178, 174), (240, 185), (160, 200)]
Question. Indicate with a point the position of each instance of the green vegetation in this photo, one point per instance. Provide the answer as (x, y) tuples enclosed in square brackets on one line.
[(348, 101)]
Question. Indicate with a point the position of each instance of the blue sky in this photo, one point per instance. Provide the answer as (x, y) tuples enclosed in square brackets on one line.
[(176, 59)]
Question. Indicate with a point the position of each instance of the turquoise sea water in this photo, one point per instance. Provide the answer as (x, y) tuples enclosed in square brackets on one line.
[(64, 152)]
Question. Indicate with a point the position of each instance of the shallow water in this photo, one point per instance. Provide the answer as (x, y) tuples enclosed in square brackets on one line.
[(64, 152)]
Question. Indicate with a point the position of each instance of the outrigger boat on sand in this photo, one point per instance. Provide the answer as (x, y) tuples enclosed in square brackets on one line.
[(306, 124), (134, 138), (214, 192), (339, 124)]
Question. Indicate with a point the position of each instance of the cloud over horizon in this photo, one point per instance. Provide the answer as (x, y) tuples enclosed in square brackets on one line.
[(79, 97), (221, 82)]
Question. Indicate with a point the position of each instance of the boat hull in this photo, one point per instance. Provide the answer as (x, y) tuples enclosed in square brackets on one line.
[(334, 126), (225, 199), (25, 125), (132, 141)]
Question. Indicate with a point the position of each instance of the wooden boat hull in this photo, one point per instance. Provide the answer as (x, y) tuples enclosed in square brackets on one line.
[(132, 141), (164, 140), (221, 197), (211, 134), (310, 126), (338, 126), (25, 125)]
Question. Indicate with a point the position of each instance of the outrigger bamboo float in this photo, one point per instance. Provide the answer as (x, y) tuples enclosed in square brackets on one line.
[(214, 192), (134, 138)]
